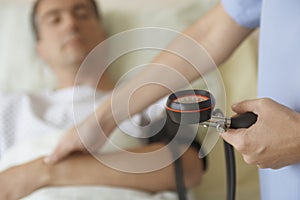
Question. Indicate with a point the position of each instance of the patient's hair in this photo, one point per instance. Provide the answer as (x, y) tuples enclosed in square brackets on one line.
[(34, 11)]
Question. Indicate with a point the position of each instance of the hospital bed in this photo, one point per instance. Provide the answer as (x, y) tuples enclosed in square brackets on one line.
[(21, 70)]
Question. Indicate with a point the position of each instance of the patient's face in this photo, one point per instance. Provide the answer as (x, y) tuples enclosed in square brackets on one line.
[(68, 31)]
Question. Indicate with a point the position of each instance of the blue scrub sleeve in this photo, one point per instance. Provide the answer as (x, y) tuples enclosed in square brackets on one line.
[(244, 12)]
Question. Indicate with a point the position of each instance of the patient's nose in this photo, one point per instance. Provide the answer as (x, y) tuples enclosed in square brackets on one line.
[(70, 22)]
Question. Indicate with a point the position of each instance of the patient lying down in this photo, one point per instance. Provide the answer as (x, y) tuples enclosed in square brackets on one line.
[(30, 124), (81, 175)]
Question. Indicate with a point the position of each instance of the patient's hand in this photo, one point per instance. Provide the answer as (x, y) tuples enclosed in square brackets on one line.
[(20, 181), (87, 134)]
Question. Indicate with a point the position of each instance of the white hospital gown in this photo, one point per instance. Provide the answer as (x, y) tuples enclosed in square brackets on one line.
[(26, 116)]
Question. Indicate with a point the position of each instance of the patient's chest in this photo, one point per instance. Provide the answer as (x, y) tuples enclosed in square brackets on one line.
[(30, 116)]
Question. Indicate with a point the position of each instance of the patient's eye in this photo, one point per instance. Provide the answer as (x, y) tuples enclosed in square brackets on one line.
[(82, 12), (52, 18)]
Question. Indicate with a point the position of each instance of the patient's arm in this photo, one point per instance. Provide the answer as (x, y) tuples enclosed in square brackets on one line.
[(83, 169), (19, 181)]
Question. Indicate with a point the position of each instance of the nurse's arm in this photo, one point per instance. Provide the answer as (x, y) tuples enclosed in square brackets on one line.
[(217, 32)]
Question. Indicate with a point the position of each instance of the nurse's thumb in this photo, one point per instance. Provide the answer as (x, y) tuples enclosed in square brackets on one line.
[(243, 106)]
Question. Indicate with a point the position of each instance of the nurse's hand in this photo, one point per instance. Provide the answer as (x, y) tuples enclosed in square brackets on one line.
[(273, 141), (89, 135)]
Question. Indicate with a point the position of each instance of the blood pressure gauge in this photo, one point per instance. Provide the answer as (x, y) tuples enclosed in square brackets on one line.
[(197, 106)]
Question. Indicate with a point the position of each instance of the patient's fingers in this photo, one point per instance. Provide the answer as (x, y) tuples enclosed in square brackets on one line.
[(69, 143), (60, 152)]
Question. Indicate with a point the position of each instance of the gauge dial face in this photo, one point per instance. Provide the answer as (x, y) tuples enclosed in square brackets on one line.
[(189, 99)]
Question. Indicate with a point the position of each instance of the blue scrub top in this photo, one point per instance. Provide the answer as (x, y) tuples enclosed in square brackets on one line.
[(279, 73)]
